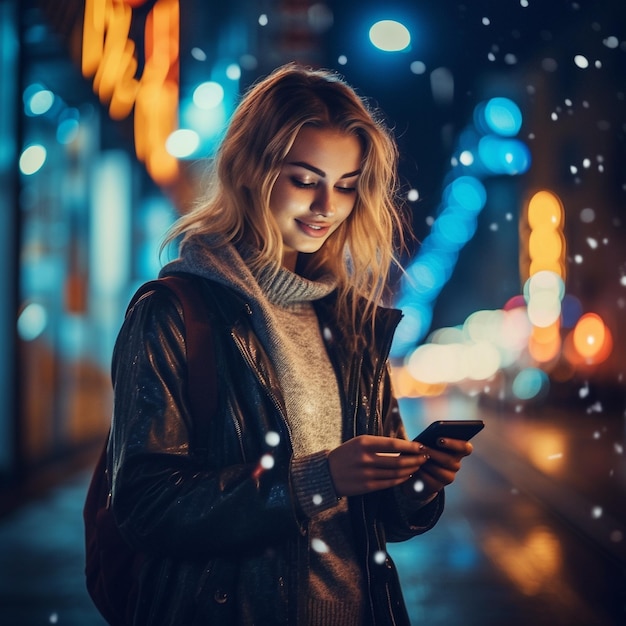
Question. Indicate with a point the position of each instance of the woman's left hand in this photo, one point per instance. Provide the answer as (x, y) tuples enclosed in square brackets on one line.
[(441, 468)]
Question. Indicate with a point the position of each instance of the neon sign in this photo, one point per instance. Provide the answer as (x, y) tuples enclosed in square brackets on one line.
[(109, 59)]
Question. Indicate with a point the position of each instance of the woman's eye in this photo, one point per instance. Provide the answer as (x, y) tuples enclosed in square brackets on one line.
[(346, 189), (301, 183)]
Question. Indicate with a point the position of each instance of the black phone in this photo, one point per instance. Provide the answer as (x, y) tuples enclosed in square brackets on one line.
[(451, 429)]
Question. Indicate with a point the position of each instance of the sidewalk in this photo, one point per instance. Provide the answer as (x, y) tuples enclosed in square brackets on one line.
[(42, 560)]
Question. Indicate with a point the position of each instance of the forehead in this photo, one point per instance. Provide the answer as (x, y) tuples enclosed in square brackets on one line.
[(328, 149)]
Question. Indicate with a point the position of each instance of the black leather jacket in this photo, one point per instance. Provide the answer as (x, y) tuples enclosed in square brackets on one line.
[(226, 544)]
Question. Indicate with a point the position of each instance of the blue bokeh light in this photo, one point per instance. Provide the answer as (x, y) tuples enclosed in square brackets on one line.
[(416, 320), (485, 148), (529, 383), (504, 156), (571, 310), (498, 115), (455, 226), (467, 192)]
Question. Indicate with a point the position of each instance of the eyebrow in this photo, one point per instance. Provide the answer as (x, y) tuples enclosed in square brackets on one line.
[(319, 172)]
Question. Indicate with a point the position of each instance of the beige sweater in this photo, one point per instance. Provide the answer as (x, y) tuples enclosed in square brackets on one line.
[(309, 385)]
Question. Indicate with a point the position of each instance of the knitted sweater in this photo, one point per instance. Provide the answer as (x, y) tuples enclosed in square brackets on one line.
[(288, 327)]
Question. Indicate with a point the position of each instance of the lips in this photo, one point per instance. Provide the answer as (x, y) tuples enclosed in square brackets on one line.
[(313, 229)]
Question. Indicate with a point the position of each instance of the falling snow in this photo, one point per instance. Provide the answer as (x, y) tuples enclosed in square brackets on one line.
[(418, 486), (319, 546), (380, 557), (267, 461), (272, 438), (596, 407)]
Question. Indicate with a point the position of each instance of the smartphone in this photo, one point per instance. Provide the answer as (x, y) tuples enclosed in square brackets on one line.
[(450, 429)]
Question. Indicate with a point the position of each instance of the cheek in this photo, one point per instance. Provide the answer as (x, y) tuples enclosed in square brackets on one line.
[(282, 198), (347, 208), (277, 199)]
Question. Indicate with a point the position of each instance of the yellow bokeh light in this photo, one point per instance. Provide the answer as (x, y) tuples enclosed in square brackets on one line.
[(545, 209), (544, 248), (555, 266), (545, 244)]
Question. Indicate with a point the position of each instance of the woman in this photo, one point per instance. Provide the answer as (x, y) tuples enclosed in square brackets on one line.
[(308, 472)]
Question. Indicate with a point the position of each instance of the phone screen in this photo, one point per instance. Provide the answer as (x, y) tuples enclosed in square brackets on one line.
[(450, 429)]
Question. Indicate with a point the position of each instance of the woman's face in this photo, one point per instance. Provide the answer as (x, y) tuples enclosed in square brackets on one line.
[(315, 190)]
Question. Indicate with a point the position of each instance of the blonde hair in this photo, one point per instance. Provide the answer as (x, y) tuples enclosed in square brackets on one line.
[(260, 134)]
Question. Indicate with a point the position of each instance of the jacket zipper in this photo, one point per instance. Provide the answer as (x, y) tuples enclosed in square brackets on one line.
[(268, 392), (375, 392)]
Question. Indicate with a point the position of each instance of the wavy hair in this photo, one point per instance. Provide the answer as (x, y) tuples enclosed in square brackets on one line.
[(360, 253)]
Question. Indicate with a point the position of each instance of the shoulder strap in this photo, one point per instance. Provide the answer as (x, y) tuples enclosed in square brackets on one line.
[(201, 366)]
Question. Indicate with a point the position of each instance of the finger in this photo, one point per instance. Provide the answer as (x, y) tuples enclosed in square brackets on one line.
[(386, 446), (444, 460), (440, 475), (386, 484), (382, 474), (394, 460), (464, 448)]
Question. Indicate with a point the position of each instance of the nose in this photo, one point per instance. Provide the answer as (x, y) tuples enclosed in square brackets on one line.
[(322, 203)]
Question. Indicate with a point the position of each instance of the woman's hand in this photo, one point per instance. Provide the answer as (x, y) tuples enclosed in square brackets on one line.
[(441, 469), (369, 463)]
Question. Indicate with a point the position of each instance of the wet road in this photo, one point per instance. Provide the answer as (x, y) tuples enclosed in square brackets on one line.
[(534, 527), (533, 533)]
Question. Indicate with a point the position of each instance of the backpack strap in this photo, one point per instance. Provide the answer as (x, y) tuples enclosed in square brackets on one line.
[(202, 385)]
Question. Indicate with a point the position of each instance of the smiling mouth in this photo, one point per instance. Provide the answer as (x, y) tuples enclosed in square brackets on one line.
[(313, 230)]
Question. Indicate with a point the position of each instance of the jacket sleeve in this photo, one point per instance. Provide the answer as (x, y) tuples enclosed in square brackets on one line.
[(165, 499), (403, 516)]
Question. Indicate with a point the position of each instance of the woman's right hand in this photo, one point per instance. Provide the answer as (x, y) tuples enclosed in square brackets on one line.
[(369, 463)]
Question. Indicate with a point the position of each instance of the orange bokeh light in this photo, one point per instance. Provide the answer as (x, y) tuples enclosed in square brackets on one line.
[(544, 344), (592, 339), (109, 57), (405, 386)]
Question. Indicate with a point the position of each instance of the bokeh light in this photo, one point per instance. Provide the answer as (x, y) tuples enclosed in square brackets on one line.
[(529, 383), (504, 156), (40, 102), (182, 143), (208, 95), (500, 116), (32, 321), (545, 209), (592, 338), (32, 159), (390, 36)]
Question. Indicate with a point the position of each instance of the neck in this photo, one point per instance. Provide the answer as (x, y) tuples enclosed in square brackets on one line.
[(290, 258)]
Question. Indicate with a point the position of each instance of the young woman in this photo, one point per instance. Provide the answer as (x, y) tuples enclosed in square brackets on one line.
[(308, 472)]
